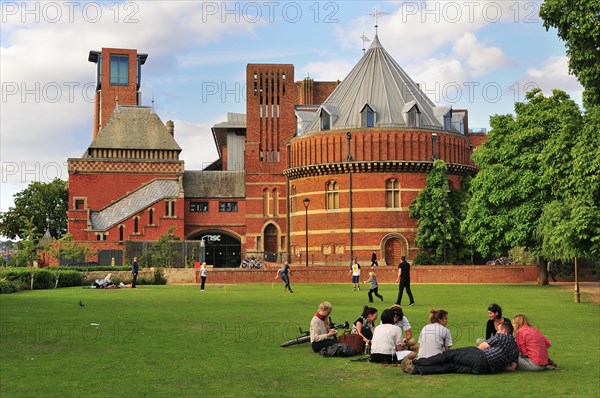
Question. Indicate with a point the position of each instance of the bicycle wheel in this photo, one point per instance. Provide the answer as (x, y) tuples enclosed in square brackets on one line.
[(297, 340)]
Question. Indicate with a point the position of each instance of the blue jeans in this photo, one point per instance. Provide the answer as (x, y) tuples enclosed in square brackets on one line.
[(470, 360)]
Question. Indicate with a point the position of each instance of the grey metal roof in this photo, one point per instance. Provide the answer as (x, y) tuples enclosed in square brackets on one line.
[(377, 80), (234, 120), (214, 184), (133, 203), (134, 127)]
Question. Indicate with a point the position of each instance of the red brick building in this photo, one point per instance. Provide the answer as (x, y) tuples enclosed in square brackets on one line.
[(343, 158)]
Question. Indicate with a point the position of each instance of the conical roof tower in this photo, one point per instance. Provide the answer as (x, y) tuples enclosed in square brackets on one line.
[(378, 82)]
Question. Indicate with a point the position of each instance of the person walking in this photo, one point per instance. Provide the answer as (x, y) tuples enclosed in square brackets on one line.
[(202, 276), (374, 260), (134, 271), (284, 273), (404, 279)]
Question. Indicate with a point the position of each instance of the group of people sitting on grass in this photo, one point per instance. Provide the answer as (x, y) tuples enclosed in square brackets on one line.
[(391, 342), (107, 283)]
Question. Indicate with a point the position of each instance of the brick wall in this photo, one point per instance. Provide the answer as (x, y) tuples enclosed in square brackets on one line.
[(419, 274)]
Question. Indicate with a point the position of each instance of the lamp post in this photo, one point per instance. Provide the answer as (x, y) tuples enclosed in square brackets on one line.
[(444, 201), (203, 246), (306, 203)]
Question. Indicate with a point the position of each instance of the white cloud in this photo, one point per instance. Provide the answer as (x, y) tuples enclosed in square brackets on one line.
[(553, 74), (479, 58), (47, 83), (326, 70)]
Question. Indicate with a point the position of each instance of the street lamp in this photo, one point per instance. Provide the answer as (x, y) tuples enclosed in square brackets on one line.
[(203, 246), (306, 202), (444, 201)]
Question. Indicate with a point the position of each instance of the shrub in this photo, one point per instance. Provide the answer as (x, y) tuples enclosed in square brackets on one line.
[(43, 279), (70, 278), (422, 258), (159, 278), (7, 286)]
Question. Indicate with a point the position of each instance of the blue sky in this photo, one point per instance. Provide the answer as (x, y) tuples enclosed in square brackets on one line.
[(478, 55)]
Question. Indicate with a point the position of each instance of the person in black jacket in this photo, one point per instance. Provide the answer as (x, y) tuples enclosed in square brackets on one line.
[(134, 271), (404, 279)]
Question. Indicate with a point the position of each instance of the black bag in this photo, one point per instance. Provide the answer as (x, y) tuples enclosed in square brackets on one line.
[(338, 350)]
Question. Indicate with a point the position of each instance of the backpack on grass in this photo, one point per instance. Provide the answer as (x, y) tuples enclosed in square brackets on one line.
[(338, 350)]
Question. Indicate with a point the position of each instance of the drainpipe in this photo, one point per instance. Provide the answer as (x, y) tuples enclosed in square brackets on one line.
[(349, 159), (288, 227)]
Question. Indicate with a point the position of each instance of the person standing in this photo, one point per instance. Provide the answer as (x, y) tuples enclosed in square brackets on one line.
[(284, 273), (355, 272), (404, 279), (374, 260), (134, 271), (202, 276)]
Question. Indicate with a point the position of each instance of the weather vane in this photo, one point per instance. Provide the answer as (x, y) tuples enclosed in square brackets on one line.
[(365, 39), (377, 14)]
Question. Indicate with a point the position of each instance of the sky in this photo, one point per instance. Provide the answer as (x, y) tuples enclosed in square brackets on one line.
[(476, 55)]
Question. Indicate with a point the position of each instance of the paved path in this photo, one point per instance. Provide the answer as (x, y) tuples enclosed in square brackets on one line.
[(591, 288)]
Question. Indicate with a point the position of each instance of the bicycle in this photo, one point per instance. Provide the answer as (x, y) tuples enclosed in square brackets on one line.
[(252, 263), (305, 335)]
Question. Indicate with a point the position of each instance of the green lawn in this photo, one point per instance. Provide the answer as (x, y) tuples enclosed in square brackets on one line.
[(170, 341)]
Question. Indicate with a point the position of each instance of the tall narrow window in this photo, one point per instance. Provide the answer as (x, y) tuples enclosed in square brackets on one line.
[(265, 202), (293, 199), (151, 216), (170, 208), (119, 70), (121, 232), (136, 225), (333, 195), (392, 194), (275, 203)]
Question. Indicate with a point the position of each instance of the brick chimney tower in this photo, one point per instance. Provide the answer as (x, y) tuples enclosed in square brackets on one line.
[(118, 80)]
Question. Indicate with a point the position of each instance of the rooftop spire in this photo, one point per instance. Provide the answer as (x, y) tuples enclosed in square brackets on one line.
[(377, 14)]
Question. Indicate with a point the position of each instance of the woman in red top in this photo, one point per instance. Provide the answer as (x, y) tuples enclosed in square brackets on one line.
[(533, 345)]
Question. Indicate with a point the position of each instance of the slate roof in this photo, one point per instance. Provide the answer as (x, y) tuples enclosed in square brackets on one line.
[(133, 203), (377, 80), (134, 127)]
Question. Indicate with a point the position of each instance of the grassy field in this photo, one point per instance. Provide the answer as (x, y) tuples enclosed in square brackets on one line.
[(170, 341)]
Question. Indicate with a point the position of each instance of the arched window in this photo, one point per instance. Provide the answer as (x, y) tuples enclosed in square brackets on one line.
[(392, 194), (121, 232), (150, 217), (136, 225), (333, 195)]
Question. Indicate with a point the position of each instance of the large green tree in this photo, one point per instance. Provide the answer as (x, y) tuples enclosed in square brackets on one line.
[(43, 204), (578, 24), (515, 181), (437, 210)]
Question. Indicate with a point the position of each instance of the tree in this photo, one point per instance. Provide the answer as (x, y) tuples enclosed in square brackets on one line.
[(436, 210), (570, 223), (519, 166), (45, 204), (162, 251), (578, 24)]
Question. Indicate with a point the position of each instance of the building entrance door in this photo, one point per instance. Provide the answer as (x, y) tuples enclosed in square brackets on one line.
[(271, 243), (393, 251)]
